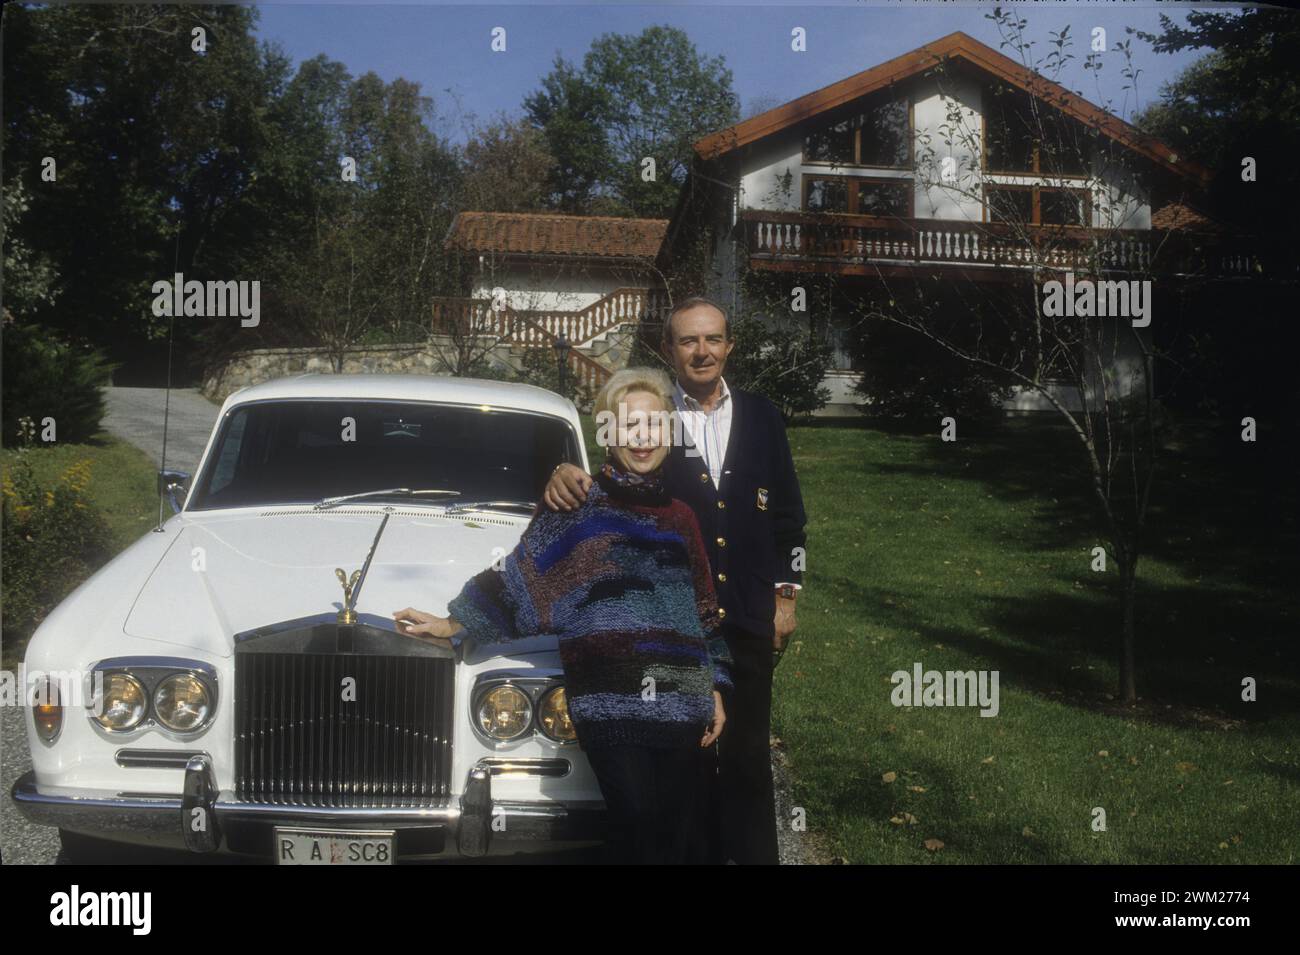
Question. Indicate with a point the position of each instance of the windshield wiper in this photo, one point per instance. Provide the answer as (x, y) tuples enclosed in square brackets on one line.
[(491, 505), (383, 492)]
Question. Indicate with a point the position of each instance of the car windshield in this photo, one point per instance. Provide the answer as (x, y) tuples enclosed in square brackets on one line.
[(292, 452)]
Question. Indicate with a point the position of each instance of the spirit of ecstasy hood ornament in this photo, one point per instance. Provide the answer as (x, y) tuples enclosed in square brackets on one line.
[(352, 587)]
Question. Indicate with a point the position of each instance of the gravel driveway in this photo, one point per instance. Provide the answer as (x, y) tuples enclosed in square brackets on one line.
[(136, 415)]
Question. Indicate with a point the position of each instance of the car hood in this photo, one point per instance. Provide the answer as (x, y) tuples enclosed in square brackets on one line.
[(225, 574)]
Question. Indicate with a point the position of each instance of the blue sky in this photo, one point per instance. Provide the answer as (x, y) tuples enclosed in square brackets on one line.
[(445, 48)]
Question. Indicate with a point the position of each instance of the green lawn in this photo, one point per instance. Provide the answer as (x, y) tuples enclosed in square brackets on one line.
[(975, 555)]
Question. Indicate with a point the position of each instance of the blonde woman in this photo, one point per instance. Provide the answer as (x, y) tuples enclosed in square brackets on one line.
[(624, 581)]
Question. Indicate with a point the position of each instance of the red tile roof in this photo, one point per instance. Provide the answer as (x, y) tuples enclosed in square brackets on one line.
[(526, 233), (1175, 215)]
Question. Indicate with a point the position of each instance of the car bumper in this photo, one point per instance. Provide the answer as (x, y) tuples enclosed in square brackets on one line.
[(203, 820)]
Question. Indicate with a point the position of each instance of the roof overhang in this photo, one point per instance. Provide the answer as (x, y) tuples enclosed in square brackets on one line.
[(953, 47)]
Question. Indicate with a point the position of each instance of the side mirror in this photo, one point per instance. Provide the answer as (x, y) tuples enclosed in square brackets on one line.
[(176, 485)]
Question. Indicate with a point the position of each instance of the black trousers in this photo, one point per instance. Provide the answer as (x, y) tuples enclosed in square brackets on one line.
[(744, 805), (654, 803)]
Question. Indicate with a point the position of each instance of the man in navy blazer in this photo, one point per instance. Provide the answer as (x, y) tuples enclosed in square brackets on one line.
[(735, 470)]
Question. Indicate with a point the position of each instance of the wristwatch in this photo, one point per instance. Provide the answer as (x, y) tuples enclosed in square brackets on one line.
[(786, 590)]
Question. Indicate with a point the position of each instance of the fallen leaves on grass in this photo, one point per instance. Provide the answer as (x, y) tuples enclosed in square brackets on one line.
[(933, 845)]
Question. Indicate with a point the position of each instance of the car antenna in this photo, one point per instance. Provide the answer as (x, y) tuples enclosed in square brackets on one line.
[(167, 394)]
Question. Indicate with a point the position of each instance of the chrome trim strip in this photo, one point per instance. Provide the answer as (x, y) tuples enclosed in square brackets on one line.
[(157, 663), (527, 766), (156, 758), (230, 808)]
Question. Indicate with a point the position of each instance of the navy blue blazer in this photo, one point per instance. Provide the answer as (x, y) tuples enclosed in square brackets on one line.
[(753, 525)]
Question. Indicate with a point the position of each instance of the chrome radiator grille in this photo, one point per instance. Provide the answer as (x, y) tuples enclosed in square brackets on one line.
[(299, 742)]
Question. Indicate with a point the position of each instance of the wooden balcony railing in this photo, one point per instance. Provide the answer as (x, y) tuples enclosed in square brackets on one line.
[(790, 238)]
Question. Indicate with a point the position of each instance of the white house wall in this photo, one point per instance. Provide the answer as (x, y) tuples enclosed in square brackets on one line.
[(942, 109), (554, 288), (954, 104)]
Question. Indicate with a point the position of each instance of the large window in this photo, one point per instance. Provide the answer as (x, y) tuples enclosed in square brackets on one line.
[(1038, 205), (1021, 135), (877, 134), (858, 196)]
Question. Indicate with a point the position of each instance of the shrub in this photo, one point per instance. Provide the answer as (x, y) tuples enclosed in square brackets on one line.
[(542, 368), (786, 365), (905, 375), (45, 376), (52, 539)]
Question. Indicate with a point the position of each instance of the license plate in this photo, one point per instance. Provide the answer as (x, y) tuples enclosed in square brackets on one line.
[(333, 847)]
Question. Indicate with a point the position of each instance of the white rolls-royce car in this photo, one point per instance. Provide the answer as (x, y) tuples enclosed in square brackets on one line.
[(246, 689)]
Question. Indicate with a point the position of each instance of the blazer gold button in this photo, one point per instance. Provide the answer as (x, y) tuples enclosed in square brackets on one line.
[(722, 504), (722, 542), (704, 477), (722, 578), (722, 612)]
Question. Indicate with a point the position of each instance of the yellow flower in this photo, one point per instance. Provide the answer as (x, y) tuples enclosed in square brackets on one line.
[(49, 498)]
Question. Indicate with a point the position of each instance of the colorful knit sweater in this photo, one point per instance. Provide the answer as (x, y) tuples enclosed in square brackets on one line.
[(624, 583)]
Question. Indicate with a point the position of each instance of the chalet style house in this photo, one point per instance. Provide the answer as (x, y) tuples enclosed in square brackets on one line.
[(951, 162)]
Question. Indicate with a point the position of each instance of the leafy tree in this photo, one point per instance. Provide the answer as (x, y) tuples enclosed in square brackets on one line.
[(153, 143), (786, 364), (508, 166), (30, 279), (568, 110), (1239, 100), (636, 97), (363, 249)]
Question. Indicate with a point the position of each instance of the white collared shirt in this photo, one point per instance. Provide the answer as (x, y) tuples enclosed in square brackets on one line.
[(709, 430)]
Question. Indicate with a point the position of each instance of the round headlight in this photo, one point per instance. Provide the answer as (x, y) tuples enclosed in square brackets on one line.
[(181, 703), (123, 704), (504, 712), (553, 716)]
